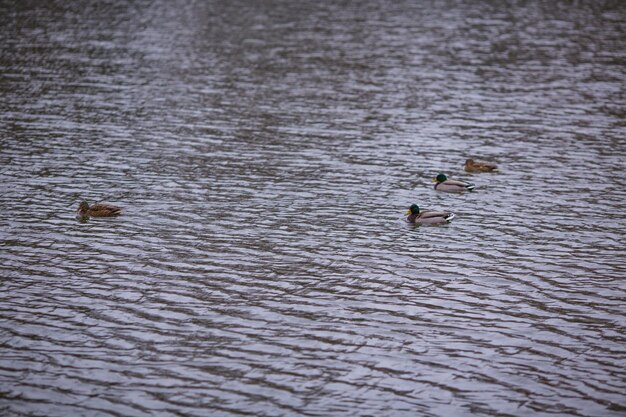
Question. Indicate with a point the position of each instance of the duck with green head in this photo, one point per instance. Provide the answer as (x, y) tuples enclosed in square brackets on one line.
[(452, 186), (417, 216), (96, 210)]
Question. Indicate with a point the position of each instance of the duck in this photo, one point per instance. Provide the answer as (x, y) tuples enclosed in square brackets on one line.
[(452, 186), (417, 216), (477, 166), (97, 210)]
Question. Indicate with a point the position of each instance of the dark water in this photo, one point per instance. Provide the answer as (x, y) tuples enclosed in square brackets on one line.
[(264, 154)]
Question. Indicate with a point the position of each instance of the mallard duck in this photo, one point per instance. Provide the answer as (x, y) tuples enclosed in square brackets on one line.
[(452, 186), (476, 166), (97, 210), (417, 216)]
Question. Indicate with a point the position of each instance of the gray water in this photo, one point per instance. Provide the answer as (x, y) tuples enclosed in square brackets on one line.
[(264, 154)]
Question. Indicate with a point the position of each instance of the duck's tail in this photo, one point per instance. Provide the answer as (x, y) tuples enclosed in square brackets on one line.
[(449, 217), (470, 187)]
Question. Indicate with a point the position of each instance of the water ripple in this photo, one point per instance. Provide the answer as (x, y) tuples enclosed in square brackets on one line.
[(264, 155)]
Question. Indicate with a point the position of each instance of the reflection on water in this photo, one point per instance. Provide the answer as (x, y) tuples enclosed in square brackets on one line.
[(264, 155)]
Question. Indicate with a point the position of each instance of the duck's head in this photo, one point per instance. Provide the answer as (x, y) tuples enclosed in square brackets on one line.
[(469, 162), (414, 209), (440, 178), (82, 213)]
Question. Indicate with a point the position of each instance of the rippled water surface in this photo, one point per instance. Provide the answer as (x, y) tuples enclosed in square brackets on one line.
[(264, 154)]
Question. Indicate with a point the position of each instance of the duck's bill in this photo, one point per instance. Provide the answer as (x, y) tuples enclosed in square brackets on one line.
[(433, 180), (408, 212)]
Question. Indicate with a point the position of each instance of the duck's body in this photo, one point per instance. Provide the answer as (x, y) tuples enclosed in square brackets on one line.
[(97, 210), (477, 166), (417, 216), (452, 186)]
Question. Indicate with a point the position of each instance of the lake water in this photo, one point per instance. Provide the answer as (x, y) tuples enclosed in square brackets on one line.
[(264, 154)]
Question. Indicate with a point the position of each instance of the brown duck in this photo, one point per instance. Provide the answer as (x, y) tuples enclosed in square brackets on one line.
[(477, 166), (97, 210)]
